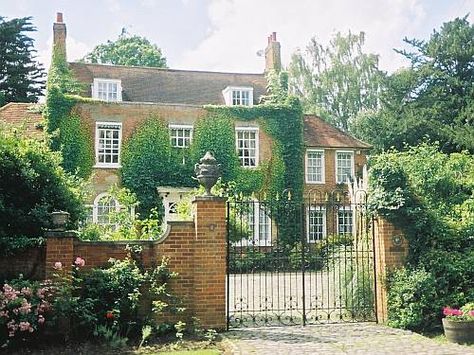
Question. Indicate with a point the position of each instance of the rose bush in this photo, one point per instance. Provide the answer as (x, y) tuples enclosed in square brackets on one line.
[(25, 310)]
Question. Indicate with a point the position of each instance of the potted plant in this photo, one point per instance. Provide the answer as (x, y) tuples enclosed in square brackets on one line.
[(459, 324)]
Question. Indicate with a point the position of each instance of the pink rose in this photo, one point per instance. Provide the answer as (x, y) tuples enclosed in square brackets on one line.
[(58, 265), (471, 313), (79, 262)]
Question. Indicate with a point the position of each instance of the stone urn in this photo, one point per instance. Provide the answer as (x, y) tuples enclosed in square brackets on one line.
[(207, 172), (59, 219), (459, 331)]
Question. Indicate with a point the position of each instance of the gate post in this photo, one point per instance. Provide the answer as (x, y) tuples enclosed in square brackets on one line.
[(210, 261), (391, 249)]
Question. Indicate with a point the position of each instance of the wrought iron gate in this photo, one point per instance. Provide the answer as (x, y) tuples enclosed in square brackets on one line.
[(299, 262)]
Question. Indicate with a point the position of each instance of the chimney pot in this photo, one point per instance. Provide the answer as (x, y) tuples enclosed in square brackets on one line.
[(59, 17)]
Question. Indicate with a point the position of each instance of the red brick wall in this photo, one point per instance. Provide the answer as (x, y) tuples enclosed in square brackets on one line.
[(196, 250), (30, 263), (388, 256)]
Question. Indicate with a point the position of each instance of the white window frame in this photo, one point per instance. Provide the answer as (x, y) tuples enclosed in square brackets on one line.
[(254, 239), (229, 91), (97, 128), (172, 127), (324, 218), (323, 169), (257, 145), (345, 209), (95, 88), (95, 208), (351, 152)]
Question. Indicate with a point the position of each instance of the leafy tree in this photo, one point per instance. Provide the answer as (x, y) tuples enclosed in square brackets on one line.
[(21, 76), (336, 81), (128, 50), (434, 98), (32, 185)]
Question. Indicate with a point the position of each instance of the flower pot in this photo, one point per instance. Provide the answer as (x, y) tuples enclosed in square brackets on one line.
[(461, 332)]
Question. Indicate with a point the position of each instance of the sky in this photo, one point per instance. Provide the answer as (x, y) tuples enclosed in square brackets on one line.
[(225, 35)]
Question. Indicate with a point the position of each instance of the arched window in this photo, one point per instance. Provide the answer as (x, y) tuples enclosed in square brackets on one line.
[(104, 204)]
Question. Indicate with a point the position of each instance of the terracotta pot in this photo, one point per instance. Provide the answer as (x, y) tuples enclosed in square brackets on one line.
[(461, 332)]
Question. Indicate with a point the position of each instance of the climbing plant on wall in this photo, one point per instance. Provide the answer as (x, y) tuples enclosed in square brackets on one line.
[(65, 130), (149, 161)]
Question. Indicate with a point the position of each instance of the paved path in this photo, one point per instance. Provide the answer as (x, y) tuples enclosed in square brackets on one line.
[(359, 338)]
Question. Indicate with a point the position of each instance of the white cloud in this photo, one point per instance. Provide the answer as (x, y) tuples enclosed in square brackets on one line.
[(239, 28), (74, 48)]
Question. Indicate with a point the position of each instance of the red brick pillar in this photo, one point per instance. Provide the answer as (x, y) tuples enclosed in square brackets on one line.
[(391, 249), (210, 255), (59, 248)]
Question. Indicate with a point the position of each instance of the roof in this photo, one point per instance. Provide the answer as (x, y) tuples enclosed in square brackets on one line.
[(158, 85), (319, 133), (22, 116)]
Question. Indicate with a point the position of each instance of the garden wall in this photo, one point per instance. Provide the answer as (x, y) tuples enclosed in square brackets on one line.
[(196, 251), (30, 263)]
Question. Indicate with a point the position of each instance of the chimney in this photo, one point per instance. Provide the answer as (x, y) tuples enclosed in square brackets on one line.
[(59, 36), (272, 54)]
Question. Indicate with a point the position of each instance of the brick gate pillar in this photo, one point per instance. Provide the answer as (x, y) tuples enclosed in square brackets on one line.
[(391, 249), (59, 248), (210, 255)]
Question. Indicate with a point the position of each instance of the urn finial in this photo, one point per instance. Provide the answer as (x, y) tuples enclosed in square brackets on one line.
[(207, 172)]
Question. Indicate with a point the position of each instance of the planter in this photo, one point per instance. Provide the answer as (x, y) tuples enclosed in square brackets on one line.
[(461, 332)]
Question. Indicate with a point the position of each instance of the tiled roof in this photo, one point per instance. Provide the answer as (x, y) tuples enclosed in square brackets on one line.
[(319, 133), (21, 116), (144, 84)]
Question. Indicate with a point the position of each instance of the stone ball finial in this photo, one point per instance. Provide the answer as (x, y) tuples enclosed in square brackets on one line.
[(207, 172)]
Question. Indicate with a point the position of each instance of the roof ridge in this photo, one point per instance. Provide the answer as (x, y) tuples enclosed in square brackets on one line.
[(164, 69)]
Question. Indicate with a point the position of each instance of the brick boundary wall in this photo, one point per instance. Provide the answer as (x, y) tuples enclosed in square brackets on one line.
[(196, 251), (391, 249)]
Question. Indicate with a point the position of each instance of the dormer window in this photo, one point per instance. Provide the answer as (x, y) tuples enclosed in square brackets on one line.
[(107, 89), (238, 96)]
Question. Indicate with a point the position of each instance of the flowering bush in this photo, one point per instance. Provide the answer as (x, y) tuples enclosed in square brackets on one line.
[(466, 313), (25, 308)]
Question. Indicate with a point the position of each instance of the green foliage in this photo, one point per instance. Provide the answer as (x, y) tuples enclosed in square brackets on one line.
[(66, 131), (277, 87), (148, 161), (105, 302), (76, 146), (284, 124), (128, 50), (429, 195), (337, 81), (216, 133), (32, 185), (433, 99), (125, 224), (22, 76), (413, 303)]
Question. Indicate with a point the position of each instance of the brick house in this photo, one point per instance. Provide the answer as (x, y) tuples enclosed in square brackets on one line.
[(128, 95)]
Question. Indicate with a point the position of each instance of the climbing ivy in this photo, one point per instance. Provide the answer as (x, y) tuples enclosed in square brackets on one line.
[(284, 124), (149, 161), (65, 130)]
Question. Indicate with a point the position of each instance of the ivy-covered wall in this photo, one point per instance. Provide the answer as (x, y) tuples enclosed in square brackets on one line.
[(67, 133), (149, 161)]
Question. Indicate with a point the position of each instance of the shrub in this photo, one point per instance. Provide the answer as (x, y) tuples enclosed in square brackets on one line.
[(429, 195), (412, 299), (106, 302), (25, 310), (32, 185)]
